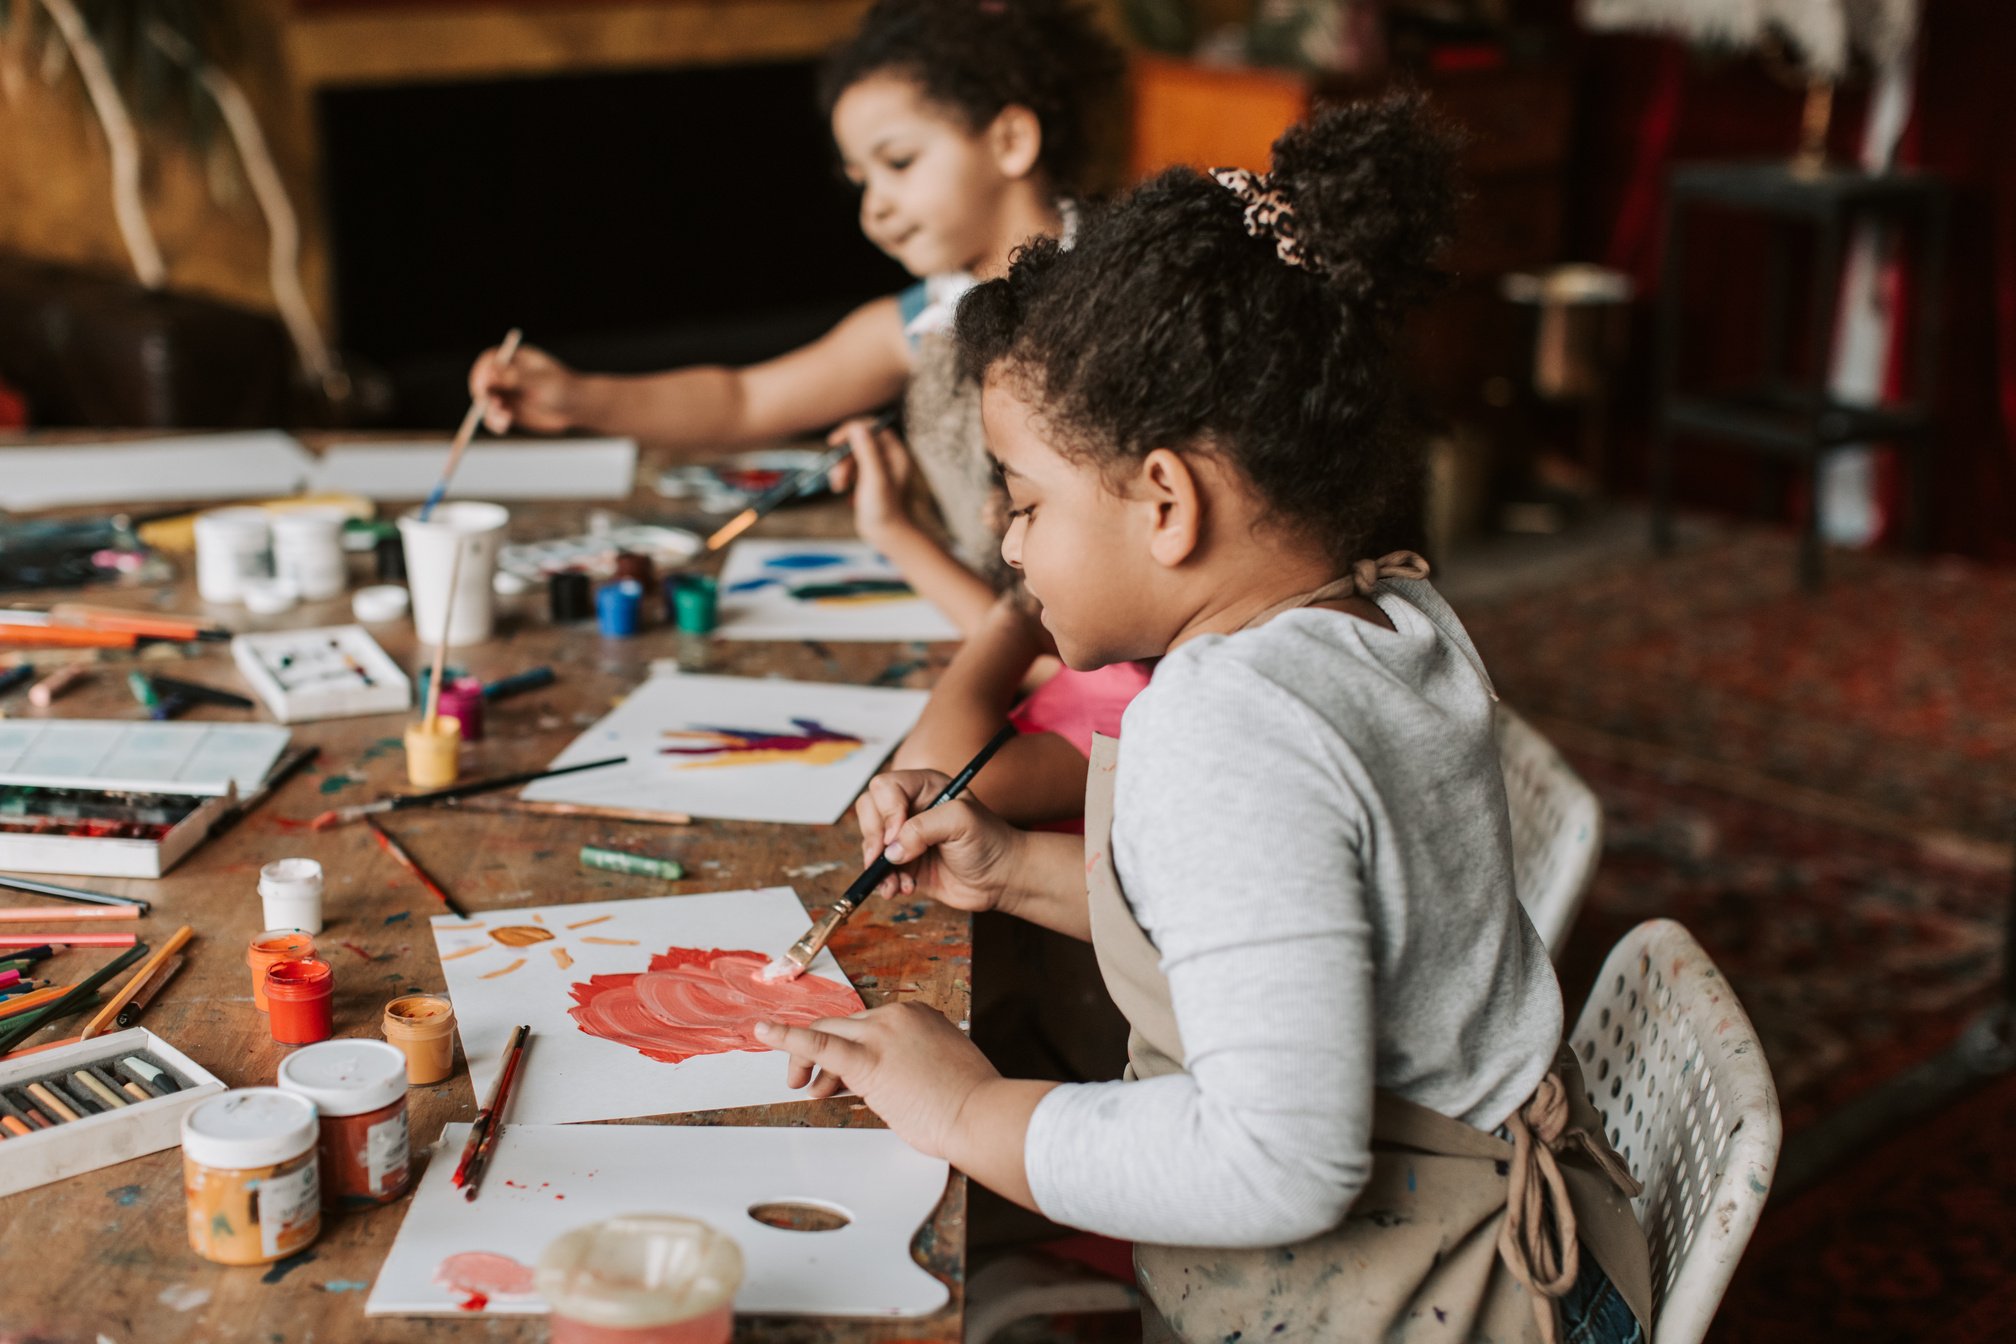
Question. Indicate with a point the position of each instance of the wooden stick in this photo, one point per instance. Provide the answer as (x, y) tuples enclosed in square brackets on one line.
[(467, 431), (588, 810), (103, 1018), (28, 914), (441, 649)]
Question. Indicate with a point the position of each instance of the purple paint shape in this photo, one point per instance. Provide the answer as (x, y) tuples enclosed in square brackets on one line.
[(804, 560)]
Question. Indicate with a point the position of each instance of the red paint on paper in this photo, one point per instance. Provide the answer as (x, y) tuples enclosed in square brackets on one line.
[(693, 1002)]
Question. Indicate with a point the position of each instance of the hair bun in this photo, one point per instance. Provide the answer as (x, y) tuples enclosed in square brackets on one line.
[(1372, 188)]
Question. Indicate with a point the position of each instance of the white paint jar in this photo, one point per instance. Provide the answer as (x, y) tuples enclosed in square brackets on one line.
[(232, 546), (290, 891), (647, 1278), (308, 551)]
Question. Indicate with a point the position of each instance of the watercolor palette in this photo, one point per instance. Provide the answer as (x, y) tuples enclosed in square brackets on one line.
[(335, 672), (843, 591), (120, 755), (637, 1007), (454, 1257)]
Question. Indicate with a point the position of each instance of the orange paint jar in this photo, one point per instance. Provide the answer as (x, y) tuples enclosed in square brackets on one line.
[(250, 1175), (359, 1091), (300, 995), (423, 1027), (270, 948)]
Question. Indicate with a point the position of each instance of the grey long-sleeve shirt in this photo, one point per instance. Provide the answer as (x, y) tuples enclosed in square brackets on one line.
[(1309, 823)]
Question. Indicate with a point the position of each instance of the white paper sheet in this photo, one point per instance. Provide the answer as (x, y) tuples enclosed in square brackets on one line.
[(518, 469), (257, 464), (572, 1075), (544, 1181), (807, 748), (769, 590)]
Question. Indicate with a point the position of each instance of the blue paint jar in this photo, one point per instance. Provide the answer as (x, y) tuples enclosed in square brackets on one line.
[(617, 607)]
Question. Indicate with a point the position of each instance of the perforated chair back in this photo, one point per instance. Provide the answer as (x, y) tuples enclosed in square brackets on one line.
[(1676, 1072), (1557, 828)]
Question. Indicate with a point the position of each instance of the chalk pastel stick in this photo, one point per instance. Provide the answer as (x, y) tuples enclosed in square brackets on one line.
[(69, 939)]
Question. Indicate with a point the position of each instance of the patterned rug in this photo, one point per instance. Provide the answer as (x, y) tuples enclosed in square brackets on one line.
[(1892, 690)]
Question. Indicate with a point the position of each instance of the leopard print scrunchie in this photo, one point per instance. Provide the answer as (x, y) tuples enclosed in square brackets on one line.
[(1268, 213)]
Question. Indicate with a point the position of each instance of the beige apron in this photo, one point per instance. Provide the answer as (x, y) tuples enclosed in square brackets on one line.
[(1418, 1257)]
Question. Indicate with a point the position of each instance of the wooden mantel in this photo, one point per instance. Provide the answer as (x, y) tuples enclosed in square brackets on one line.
[(395, 44)]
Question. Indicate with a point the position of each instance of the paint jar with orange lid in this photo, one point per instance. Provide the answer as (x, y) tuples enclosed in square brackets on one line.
[(269, 949), (250, 1174), (422, 1026), (647, 1278), (300, 995), (359, 1090)]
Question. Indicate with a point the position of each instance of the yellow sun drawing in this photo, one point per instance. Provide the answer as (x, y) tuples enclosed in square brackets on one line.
[(516, 936)]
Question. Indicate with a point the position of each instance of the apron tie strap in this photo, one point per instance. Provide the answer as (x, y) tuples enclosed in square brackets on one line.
[(1548, 1265), (1365, 574)]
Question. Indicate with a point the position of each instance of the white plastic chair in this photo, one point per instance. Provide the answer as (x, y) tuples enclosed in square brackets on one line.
[(1685, 1093), (1557, 829)]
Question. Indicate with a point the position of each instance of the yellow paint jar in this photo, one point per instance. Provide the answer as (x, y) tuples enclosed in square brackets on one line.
[(423, 1027), (431, 754), (251, 1177)]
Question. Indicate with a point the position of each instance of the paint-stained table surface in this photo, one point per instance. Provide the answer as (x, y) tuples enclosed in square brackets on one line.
[(103, 1256)]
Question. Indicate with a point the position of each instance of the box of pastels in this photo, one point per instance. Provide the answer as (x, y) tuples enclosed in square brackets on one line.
[(93, 1104)]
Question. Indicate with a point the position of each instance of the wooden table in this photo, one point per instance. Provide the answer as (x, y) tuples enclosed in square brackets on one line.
[(104, 1256)]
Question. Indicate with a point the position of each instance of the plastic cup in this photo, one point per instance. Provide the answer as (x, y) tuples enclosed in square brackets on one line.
[(290, 894), (430, 557), (647, 1278), (431, 754)]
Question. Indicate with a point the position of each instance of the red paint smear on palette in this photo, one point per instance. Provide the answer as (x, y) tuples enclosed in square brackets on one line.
[(693, 1002)]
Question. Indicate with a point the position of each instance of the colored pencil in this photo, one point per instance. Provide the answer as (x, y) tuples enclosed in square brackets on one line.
[(467, 430), (400, 801), (29, 1002), (85, 990), (202, 694), (83, 616), (283, 770), (70, 894), (799, 955), (26, 956), (411, 865), (176, 942), (69, 939), (69, 637), (44, 692), (28, 914), (482, 1140), (145, 994)]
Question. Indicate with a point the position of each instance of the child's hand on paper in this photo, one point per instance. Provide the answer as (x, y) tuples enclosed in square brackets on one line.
[(959, 854), (911, 1066), (534, 391), (879, 471)]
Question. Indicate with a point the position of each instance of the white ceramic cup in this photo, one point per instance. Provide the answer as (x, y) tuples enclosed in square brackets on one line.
[(430, 557), (290, 893)]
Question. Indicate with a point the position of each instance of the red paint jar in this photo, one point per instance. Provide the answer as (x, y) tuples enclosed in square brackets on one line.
[(462, 701), (298, 997)]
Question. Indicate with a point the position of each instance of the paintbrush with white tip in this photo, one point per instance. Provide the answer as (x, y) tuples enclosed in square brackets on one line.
[(795, 959)]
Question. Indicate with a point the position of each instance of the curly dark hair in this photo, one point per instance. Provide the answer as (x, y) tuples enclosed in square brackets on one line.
[(1169, 325), (975, 57)]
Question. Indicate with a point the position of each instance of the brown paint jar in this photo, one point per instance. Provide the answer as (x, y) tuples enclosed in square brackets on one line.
[(359, 1091), (422, 1026), (270, 947), (251, 1177)]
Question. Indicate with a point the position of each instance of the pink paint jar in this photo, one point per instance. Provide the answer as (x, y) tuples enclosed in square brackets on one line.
[(646, 1278), (462, 701)]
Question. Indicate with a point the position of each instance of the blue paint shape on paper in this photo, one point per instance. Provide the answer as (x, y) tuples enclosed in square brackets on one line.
[(751, 585), (805, 560)]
